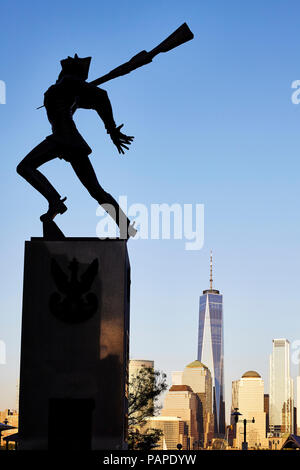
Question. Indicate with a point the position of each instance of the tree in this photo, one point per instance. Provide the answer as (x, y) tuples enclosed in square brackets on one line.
[(145, 389)]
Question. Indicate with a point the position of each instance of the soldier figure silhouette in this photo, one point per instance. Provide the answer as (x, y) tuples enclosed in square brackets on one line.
[(70, 92)]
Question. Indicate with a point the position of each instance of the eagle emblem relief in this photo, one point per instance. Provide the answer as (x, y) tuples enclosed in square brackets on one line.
[(73, 302)]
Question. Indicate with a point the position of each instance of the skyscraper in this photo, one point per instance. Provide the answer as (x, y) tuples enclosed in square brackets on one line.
[(248, 397), (281, 389), (135, 366), (297, 401), (211, 348), (182, 402), (298, 405), (198, 377)]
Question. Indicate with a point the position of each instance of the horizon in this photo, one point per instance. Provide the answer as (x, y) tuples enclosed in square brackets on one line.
[(214, 124)]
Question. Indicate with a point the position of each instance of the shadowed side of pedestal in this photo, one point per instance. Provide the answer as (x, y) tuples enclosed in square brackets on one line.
[(75, 343)]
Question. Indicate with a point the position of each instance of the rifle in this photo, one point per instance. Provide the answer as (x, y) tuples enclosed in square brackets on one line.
[(180, 36)]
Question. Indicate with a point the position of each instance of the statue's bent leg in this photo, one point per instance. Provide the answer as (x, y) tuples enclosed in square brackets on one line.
[(27, 168), (86, 174)]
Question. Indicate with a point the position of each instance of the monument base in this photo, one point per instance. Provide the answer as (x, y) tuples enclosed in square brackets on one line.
[(74, 348)]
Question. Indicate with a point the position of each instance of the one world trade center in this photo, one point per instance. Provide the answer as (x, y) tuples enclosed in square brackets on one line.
[(211, 349)]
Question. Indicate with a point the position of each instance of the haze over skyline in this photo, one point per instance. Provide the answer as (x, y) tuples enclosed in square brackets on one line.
[(214, 124)]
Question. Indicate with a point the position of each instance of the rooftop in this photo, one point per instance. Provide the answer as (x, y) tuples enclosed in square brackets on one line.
[(164, 418), (197, 364), (211, 291), (251, 374), (180, 388)]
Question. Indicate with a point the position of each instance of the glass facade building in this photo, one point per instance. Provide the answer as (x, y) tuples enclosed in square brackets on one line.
[(211, 351), (281, 389)]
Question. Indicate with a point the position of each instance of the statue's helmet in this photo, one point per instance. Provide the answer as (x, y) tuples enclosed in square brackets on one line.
[(76, 66)]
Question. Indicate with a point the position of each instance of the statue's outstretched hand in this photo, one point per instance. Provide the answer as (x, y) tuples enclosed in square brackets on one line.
[(121, 141)]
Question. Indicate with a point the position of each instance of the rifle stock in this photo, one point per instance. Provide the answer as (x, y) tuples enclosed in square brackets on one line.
[(180, 36)]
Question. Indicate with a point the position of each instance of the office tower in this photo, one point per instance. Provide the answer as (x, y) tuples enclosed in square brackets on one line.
[(248, 397), (298, 405), (177, 378), (180, 401), (197, 376), (211, 348), (17, 395), (175, 431), (281, 389), (135, 365)]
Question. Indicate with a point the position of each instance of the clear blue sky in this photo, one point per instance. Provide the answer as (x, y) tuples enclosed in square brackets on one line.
[(214, 124)]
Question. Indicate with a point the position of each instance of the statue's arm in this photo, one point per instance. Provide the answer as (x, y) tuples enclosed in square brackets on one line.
[(92, 97)]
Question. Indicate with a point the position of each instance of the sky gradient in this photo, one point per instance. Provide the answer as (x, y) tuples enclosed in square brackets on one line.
[(213, 123)]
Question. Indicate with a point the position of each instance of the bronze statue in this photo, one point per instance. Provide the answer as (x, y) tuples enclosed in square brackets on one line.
[(70, 92)]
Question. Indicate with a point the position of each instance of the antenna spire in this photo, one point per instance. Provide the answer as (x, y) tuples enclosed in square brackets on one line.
[(211, 271)]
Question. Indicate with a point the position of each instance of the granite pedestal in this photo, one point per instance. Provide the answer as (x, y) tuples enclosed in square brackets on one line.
[(75, 342)]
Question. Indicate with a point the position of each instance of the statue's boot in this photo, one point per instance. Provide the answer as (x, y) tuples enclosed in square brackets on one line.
[(55, 207), (131, 230), (127, 229)]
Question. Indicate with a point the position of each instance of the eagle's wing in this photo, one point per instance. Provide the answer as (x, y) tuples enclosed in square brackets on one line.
[(60, 278), (88, 277)]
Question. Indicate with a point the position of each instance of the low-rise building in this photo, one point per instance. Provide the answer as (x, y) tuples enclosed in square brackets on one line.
[(10, 417), (174, 429)]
